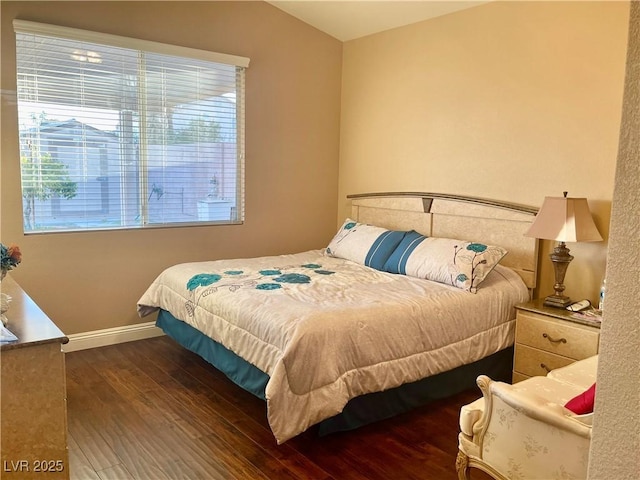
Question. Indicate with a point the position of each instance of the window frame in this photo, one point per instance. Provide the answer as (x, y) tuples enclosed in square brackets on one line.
[(152, 47)]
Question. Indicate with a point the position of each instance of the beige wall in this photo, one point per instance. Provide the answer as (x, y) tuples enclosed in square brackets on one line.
[(508, 100), (90, 281)]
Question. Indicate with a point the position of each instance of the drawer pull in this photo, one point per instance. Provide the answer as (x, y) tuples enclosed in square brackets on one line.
[(542, 365), (554, 340)]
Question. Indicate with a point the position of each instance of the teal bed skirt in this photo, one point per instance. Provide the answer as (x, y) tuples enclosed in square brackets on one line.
[(360, 410)]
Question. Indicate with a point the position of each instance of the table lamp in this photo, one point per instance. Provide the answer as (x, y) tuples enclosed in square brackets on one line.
[(563, 219)]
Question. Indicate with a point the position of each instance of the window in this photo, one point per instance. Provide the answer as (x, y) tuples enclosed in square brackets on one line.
[(117, 132)]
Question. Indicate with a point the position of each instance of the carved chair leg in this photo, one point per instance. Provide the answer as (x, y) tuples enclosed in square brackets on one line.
[(462, 466)]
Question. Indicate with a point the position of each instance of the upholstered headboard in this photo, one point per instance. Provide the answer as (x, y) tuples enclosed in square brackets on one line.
[(454, 216)]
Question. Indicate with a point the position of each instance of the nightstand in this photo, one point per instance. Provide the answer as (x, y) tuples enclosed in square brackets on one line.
[(549, 338)]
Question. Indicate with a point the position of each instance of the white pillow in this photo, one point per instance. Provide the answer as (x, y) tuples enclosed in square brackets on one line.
[(365, 244), (460, 263)]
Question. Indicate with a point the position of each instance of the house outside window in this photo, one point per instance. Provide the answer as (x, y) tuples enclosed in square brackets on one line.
[(124, 133)]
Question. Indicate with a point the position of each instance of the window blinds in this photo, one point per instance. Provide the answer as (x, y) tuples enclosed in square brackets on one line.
[(123, 133)]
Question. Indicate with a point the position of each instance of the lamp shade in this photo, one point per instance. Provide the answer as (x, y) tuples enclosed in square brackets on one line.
[(564, 220)]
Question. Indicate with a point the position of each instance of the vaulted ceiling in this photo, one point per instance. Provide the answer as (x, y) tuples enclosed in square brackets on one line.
[(350, 19)]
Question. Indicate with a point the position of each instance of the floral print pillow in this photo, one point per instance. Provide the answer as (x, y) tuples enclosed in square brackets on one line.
[(460, 263)]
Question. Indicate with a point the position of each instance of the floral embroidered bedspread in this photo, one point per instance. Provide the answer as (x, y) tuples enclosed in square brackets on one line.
[(326, 330)]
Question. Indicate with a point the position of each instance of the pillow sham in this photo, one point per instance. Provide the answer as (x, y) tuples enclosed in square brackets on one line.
[(454, 262), (365, 244)]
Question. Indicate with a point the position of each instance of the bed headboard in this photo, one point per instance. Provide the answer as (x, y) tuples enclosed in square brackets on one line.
[(455, 216)]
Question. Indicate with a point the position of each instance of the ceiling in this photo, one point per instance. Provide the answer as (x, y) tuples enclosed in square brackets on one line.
[(350, 19)]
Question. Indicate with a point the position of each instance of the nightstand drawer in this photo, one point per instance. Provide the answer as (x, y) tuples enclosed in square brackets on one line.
[(518, 377), (561, 338), (531, 361)]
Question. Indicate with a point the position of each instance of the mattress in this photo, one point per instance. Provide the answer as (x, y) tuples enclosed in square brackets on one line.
[(326, 330)]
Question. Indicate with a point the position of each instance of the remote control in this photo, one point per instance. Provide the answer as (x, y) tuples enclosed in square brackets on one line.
[(578, 306)]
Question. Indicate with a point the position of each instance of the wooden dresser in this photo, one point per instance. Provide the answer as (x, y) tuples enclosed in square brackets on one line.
[(549, 338), (33, 404)]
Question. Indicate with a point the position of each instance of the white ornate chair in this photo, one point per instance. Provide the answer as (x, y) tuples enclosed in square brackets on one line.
[(523, 431)]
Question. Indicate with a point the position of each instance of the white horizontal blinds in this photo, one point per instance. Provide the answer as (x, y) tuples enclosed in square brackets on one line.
[(115, 137), (190, 124), (70, 100)]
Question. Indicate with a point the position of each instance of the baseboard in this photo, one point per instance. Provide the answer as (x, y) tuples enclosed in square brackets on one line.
[(111, 336)]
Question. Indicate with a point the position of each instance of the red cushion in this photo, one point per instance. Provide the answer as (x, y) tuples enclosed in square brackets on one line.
[(583, 403)]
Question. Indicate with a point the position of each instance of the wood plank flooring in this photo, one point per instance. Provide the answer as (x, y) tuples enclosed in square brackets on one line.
[(153, 410)]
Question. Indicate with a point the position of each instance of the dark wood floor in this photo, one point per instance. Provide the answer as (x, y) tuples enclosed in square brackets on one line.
[(153, 410)]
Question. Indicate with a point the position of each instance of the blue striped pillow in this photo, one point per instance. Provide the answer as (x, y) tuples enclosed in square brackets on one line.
[(365, 244), (397, 261)]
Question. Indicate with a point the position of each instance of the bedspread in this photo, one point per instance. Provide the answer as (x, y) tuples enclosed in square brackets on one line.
[(326, 330)]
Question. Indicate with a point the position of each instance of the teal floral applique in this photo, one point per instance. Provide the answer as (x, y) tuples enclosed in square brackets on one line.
[(463, 256), (462, 278), (269, 273), (199, 280), (293, 278), (202, 280), (350, 225), (277, 277), (477, 247), (324, 272), (268, 286)]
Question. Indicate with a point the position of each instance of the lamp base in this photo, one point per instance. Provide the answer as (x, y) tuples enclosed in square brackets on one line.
[(561, 259), (558, 301)]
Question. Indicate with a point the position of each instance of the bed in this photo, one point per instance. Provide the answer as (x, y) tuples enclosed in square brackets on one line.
[(362, 329)]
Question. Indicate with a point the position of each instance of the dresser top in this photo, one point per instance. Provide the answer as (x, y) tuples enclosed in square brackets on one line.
[(26, 321), (537, 306)]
